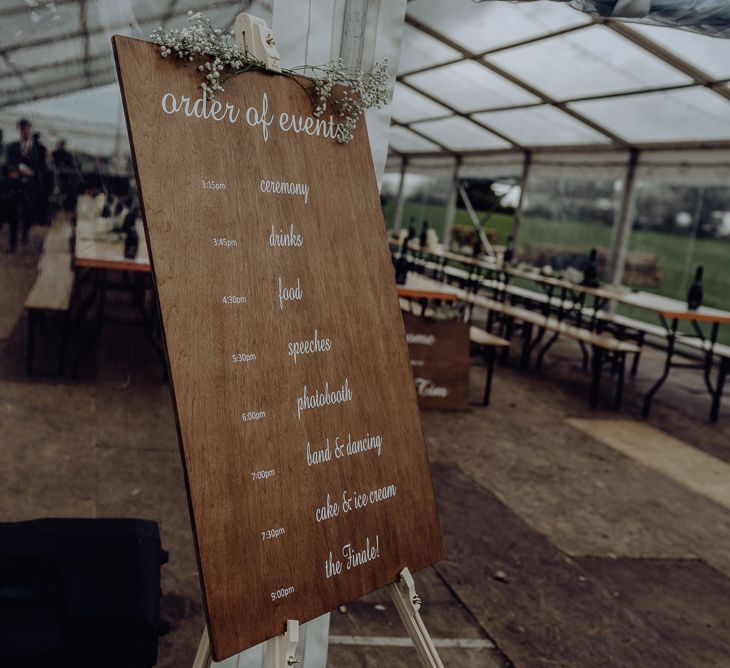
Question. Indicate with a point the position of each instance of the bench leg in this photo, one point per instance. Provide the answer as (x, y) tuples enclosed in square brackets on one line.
[(655, 388), (637, 355), (30, 340), (621, 370), (533, 343), (544, 349), (717, 395), (586, 356), (489, 357), (526, 345), (597, 363), (509, 329)]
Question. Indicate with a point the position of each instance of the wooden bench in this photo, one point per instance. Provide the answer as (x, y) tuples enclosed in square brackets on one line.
[(623, 327), (59, 236), (605, 348), (52, 290), (487, 344)]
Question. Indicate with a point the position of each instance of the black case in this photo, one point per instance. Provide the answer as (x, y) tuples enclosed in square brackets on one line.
[(80, 592)]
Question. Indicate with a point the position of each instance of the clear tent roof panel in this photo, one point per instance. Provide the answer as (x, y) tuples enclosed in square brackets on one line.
[(37, 24), (468, 86), (405, 141), (709, 54), (593, 61), (418, 50), (409, 105), (116, 16), (100, 46), (589, 60), (490, 25), (99, 106), (50, 77), (671, 116), (48, 54), (539, 56), (543, 125), (109, 15), (50, 48), (459, 134)]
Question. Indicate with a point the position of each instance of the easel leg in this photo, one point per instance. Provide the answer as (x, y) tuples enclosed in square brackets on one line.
[(280, 652), (203, 658), (314, 641), (408, 603)]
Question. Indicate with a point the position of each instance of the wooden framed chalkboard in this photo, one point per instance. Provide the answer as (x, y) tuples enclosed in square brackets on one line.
[(306, 468)]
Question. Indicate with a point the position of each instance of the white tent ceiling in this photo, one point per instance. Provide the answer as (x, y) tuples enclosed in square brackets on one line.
[(472, 79), (56, 64), (540, 76), (55, 48)]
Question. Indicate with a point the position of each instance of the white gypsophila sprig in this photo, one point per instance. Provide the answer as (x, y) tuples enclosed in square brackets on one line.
[(360, 91), (200, 38), (355, 93)]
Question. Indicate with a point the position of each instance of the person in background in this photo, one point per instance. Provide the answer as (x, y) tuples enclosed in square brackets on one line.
[(29, 180), (7, 206), (66, 177)]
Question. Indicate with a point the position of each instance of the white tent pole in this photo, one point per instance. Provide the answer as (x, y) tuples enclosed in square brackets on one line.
[(451, 206), (694, 229), (400, 198), (622, 225), (475, 221), (519, 211), (353, 32)]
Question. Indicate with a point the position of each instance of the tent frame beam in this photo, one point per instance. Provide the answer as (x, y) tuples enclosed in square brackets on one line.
[(468, 55)]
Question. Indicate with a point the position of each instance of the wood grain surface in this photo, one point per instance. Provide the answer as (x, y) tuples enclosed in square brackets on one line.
[(242, 416)]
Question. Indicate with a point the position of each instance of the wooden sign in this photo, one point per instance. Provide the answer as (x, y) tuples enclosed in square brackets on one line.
[(439, 351), (306, 468)]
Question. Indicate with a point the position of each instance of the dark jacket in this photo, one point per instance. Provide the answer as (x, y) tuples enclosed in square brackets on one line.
[(36, 160)]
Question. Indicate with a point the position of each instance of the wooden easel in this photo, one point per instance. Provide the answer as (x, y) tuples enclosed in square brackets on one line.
[(280, 652)]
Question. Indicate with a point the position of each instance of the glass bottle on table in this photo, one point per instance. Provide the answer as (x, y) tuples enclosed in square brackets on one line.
[(131, 241), (590, 273), (106, 210), (696, 292), (423, 238), (509, 251), (411, 230), (402, 264)]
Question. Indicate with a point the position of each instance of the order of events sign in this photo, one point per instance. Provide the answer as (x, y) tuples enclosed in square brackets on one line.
[(305, 462), (439, 352)]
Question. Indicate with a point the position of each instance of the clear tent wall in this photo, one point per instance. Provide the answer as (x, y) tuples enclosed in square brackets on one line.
[(618, 133)]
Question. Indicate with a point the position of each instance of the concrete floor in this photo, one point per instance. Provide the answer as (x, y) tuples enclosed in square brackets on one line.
[(564, 547)]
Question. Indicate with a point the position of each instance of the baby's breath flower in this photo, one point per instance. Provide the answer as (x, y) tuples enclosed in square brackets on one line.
[(359, 90)]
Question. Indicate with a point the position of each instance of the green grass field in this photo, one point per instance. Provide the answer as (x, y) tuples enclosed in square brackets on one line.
[(677, 256)]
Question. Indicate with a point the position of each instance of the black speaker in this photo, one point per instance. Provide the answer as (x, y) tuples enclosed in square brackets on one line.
[(80, 592)]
